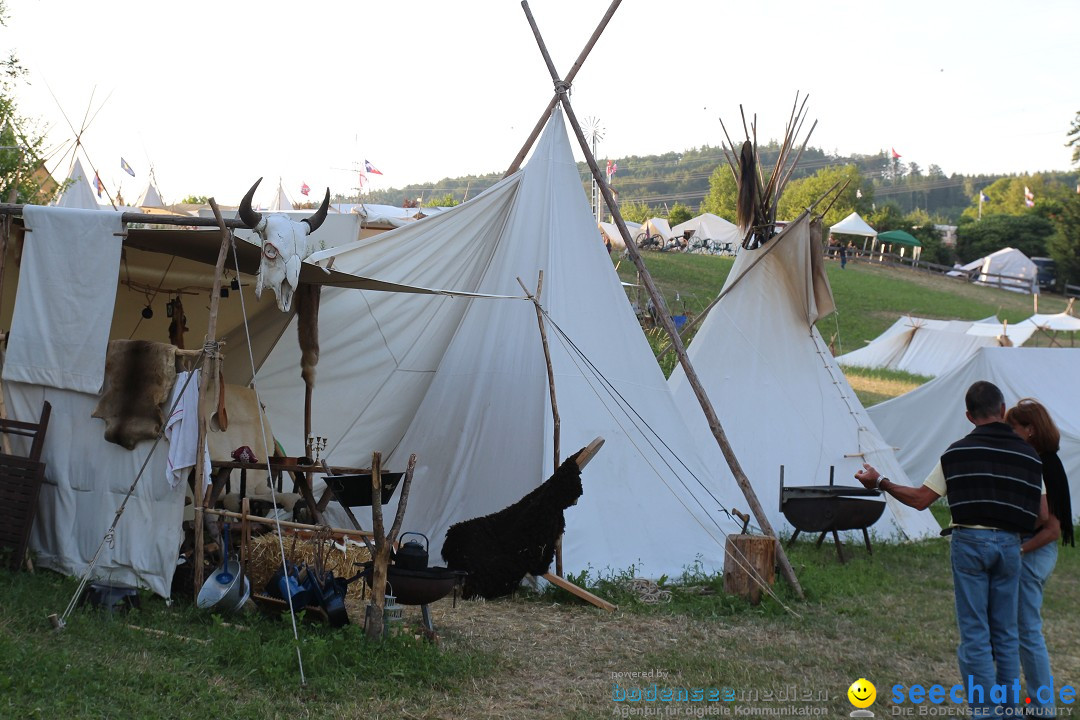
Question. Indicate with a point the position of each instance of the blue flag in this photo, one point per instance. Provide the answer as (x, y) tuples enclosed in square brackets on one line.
[(983, 197), (126, 168)]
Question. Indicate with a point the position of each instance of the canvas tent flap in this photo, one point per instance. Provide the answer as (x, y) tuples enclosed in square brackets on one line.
[(923, 422), (929, 347), (780, 397), (203, 246), (462, 383)]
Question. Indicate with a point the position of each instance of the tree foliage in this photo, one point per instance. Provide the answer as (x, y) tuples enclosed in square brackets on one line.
[(801, 194), (637, 212), (1074, 139), (21, 167), (722, 193), (1028, 233), (446, 200), (1064, 245), (679, 214)]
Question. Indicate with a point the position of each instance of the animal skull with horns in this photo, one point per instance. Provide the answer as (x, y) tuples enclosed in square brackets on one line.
[(284, 246)]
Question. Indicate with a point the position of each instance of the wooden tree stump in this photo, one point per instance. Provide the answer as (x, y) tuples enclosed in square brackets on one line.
[(749, 562)]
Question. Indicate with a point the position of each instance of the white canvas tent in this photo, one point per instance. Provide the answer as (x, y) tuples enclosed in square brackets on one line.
[(610, 232), (925, 346), (853, 224), (461, 382), (776, 389), (78, 194), (923, 422), (1008, 269), (280, 202), (656, 226), (150, 197), (709, 227)]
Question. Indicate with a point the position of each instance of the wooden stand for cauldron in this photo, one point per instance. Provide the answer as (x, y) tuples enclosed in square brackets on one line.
[(749, 563)]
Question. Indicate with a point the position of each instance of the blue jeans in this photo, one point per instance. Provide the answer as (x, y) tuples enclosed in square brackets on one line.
[(1036, 568), (986, 573)]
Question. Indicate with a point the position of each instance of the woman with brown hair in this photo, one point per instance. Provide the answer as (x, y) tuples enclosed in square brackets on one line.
[(1038, 552)]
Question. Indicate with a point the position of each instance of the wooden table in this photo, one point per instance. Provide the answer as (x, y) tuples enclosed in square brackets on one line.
[(302, 477)]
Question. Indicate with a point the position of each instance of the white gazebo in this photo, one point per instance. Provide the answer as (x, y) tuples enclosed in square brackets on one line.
[(853, 224)]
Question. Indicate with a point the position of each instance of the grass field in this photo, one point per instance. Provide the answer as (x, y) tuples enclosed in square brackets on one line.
[(887, 617)]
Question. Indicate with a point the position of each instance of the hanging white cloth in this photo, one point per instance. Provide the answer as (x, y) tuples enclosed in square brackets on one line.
[(182, 430), (64, 302)]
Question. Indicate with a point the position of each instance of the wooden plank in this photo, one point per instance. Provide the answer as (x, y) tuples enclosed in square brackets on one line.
[(580, 592), (585, 454)]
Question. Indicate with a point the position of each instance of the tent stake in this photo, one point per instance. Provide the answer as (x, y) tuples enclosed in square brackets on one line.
[(658, 302)]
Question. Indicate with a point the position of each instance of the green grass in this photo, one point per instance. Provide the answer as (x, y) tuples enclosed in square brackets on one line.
[(100, 667), (869, 298)]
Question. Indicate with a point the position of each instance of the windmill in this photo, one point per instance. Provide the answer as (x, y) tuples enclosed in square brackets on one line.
[(594, 133)]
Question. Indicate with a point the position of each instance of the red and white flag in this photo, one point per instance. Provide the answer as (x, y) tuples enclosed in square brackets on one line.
[(612, 168), (304, 189), (371, 168)]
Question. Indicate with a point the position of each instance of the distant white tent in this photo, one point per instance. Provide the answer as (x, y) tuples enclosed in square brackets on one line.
[(610, 232), (1008, 269), (280, 200), (462, 383), (78, 194), (924, 346), (150, 197), (656, 226), (779, 395), (923, 422), (709, 227), (853, 224)]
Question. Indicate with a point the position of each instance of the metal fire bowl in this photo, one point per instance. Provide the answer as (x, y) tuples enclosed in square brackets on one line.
[(823, 508), (418, 587)]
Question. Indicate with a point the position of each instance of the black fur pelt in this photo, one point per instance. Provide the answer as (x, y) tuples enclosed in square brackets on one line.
[(498, 550)]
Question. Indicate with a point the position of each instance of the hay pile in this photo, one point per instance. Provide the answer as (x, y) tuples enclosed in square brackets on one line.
[(265, 559)]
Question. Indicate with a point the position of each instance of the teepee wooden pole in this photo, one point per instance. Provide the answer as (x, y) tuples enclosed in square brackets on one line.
[(204, 410), (555, 98), (556, 422), (665, 319)]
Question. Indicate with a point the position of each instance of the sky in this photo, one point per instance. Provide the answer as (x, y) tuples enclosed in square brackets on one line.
[(216, 95)]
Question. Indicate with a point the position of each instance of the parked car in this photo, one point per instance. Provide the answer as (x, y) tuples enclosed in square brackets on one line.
[(1047, 276)]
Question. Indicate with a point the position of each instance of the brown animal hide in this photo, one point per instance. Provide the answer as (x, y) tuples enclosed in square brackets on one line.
[(139, 376), (307, 328)]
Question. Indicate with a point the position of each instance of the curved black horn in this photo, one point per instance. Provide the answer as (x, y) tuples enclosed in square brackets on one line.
[(249, 216), (317, 219)]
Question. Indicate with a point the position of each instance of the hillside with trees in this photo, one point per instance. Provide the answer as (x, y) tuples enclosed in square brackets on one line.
[(1038, 213)]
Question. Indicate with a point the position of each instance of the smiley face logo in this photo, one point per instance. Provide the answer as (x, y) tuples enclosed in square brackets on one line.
[(862, 693)]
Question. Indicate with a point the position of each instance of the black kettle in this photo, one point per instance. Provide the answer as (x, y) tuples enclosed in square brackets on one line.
[(412, 555)]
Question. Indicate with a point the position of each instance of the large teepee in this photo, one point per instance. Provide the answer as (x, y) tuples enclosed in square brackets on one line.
[(462, 383), (775, 386)]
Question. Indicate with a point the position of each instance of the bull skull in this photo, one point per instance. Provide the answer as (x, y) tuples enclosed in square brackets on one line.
[(284, 246)]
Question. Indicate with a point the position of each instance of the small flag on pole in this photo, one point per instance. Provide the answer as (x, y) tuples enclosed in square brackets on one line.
[(304, 189), (126, 168), (98, 184), (1029, 197), (363, 180), (983, 197), (371, 168), (896, 155), (612, 168)]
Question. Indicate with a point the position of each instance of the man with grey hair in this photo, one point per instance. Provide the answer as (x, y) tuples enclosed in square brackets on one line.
[(991, 479)]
